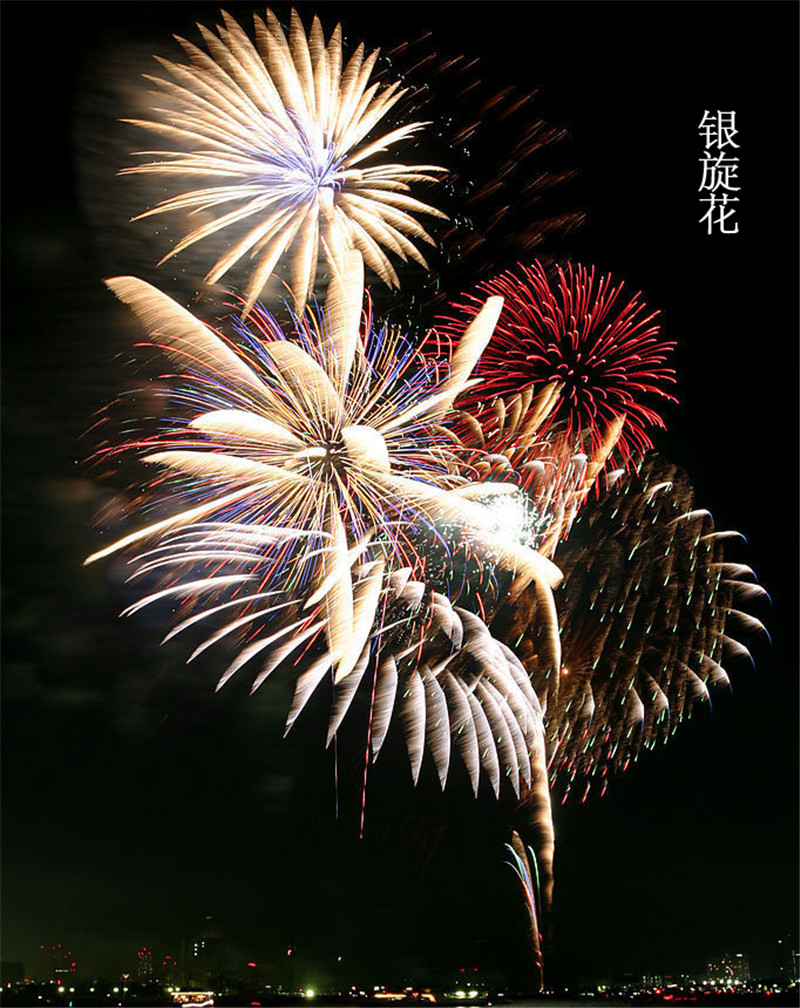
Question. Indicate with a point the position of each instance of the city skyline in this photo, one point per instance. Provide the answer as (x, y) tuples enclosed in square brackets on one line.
[(209, 960)]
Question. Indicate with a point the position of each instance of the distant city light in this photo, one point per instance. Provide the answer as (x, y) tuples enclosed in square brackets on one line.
[(193, 999)]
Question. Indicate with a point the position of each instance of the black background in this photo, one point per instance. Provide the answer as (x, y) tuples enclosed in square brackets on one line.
[(136, 801)]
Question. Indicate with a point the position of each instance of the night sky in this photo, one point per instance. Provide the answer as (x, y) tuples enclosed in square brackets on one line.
[(135, 800)]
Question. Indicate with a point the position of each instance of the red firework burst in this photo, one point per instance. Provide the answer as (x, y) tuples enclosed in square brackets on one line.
[(579, 330)]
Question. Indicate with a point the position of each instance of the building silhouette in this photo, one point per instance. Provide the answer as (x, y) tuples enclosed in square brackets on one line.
[(730, 968), (207, 960), (144, 965), (59, 962), (169, 971)]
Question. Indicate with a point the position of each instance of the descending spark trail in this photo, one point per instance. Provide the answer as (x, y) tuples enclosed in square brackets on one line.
[(524, 866)]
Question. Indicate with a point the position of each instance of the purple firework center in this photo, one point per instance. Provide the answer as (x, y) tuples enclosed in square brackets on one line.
[(304, 169), (579, 330)]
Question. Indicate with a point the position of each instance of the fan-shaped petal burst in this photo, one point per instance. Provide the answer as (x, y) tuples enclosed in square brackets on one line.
[(307, 471), (579, 333), (288, 135), (455, 690)]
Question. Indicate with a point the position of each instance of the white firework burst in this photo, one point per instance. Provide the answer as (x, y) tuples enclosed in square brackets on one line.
[(287, 133), (305, 479)]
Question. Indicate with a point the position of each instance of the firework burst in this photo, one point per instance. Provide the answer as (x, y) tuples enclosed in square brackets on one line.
[(303, 487), (580, 332), (285, 132), (647, 609)]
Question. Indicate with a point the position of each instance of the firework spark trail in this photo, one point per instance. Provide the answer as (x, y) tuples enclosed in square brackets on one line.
[(522, 862), (302, 481), (284, 130), (537, 804), (506, 191), (579, 331)]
